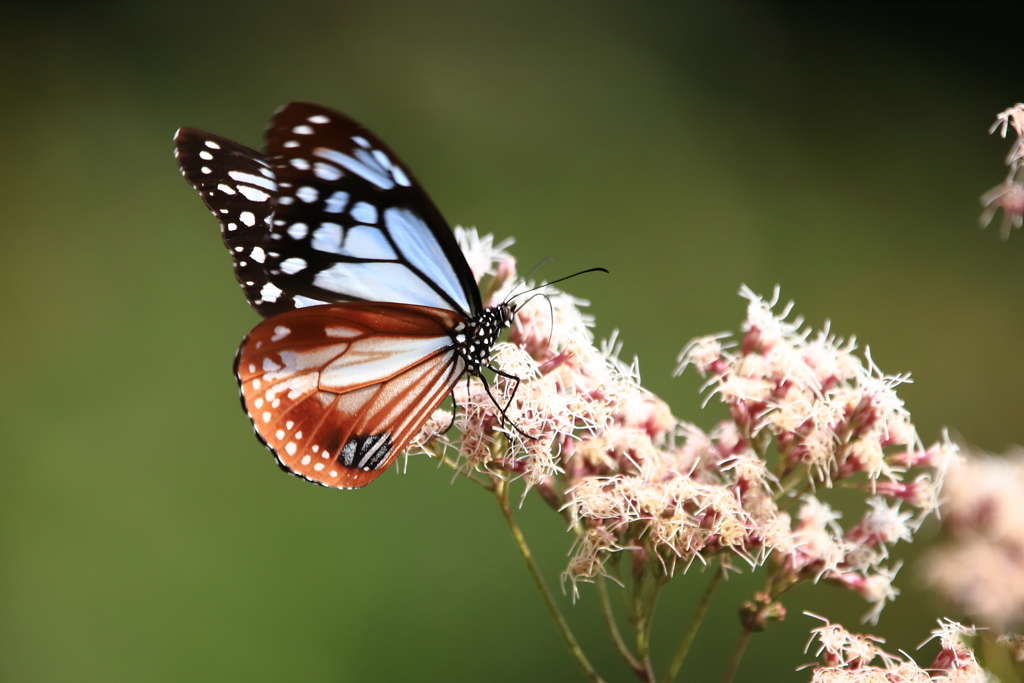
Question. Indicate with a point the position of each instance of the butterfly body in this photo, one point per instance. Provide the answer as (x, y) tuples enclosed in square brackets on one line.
[(372, 312)]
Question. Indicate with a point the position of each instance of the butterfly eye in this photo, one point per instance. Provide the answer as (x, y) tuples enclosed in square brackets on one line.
[(507, 315)]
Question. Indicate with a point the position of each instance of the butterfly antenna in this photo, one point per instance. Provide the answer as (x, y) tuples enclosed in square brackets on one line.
[(544, 261), (561, 279), (551, 312)]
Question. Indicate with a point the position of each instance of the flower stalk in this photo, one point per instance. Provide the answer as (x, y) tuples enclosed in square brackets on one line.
[(691, 630), (501, 494)]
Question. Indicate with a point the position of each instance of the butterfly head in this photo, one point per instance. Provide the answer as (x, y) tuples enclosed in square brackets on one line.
[(506, 314)]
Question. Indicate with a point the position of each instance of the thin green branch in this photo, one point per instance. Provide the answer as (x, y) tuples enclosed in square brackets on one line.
[(438, 453), (613, 627), (645, 596), (691, 630), (791, 481), (785, 504), (737, 655), (501, 493)]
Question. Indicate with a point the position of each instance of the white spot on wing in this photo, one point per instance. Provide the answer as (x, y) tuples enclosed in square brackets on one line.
[(336, 202), (291, 448), (306, 459), (306, 302), (298, 230), (280, 332), (355, 166), (226, 189), (248, 218), (293, 265), (364, 212), (364, 241), (307, 194), (325, 171), (252, 194), (299, 163), (258, 255), (400, 177), (204, 155), (341, 332), (318, 118), (289, 144), (382, 159), (265, 183), (270, 292), (302, 130), (211, 144), (206, 170), (285, 200), (361, 141), (327, 238)]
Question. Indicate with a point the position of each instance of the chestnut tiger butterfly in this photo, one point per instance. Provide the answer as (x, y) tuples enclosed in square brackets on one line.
[(372, 313)]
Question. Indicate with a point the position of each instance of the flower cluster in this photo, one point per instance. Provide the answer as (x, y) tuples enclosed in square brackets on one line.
[(571, 420), (980, 568), (1008, 195), (833, 419), (853, 658)]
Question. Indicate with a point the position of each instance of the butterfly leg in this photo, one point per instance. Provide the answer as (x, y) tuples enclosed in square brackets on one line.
[(455, 407), (504, 416), (514, 389)]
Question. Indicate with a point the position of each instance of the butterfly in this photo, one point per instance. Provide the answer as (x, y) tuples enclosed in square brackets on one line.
[(372, 314)]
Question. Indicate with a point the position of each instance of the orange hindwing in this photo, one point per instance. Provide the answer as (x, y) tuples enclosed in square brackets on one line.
[(337, 391)]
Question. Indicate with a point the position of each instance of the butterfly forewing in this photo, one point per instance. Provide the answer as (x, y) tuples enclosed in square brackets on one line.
[(238, 186), (352, 224), (337, 391)]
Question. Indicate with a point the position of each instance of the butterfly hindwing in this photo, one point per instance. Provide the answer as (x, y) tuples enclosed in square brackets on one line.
[(352, 223), (238, 186), (337, 391)]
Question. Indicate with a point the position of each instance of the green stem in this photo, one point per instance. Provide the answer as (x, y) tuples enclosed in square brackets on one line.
[(791, 480), (691, 630), (486, 485), (609, 617), (645, 596), (737, 655), (501, 493), (785, 504)]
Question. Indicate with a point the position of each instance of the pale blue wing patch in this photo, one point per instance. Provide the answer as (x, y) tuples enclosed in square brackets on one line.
[(379, 281), (419, 247)]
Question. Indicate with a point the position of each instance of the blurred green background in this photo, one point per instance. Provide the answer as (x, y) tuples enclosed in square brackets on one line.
[(689, 147)]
